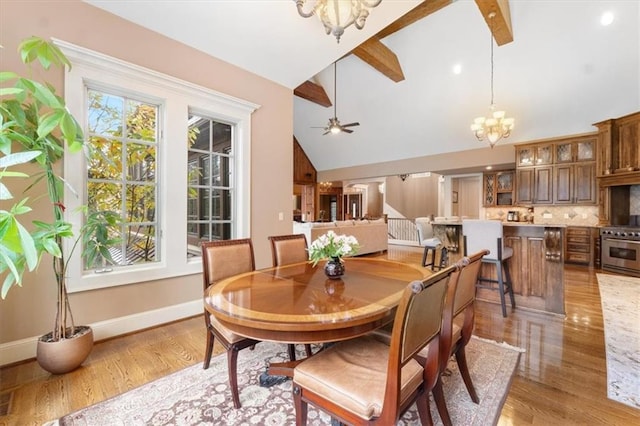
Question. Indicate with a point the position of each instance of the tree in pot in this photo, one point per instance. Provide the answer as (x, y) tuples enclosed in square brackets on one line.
[(36, 119)]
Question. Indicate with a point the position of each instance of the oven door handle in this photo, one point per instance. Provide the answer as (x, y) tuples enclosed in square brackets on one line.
[(623, 241)]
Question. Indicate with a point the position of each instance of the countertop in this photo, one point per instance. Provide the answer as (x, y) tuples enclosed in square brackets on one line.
[(504, 223)]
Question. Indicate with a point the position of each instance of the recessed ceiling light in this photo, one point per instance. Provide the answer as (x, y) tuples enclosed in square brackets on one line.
[(457, 69), (489, 167), (606, 18)]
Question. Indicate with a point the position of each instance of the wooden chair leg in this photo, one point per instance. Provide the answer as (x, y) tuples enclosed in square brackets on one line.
[(208, 350), (461, 359), (308, 350), (424, 411), (232, 366), (300, 406), (441, 405)]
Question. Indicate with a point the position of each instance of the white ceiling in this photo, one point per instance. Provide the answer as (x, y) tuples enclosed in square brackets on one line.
[(563, 71)]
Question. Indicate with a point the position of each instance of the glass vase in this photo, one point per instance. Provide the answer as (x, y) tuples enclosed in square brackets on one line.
[(334, 268)]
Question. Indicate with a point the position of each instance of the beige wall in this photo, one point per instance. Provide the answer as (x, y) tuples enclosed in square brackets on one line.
[(29, 311), (500, 157), (413, 197)]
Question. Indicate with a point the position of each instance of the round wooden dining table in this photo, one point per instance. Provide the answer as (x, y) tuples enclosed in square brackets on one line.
[(298, 304)]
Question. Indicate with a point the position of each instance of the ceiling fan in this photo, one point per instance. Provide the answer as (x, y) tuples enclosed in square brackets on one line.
[(334, 125)]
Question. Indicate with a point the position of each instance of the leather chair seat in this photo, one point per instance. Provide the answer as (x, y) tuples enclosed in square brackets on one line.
[(361, 387), (226, 333)]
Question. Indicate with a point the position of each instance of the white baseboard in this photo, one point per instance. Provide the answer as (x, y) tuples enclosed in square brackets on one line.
[(25, 349)]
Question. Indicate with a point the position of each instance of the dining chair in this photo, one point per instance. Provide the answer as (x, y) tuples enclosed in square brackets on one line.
[(363, 380), (285, 250), (220, 260), (457, 327), (288, 249), (487, 234), (430, 244)]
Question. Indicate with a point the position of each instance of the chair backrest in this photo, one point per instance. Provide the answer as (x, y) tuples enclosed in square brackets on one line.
[(417, 324), (288, 249), (459, 300), (223, 259), (424, 227), (483, 235), (466, 289)]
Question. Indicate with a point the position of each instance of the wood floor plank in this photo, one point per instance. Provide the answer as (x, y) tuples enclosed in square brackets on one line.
[(561, 379)]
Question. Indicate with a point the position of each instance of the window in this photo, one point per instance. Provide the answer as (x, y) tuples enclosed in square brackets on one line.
[(210, 190), (121, 137), (172, 157)]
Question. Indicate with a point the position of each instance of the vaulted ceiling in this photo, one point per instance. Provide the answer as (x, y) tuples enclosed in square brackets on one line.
[(557, 69)]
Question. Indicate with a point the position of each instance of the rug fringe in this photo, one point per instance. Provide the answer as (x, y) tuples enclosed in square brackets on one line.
[(501, 344)]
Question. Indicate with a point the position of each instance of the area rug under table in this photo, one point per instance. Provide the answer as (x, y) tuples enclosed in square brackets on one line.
[(194, 396), (620, 297)]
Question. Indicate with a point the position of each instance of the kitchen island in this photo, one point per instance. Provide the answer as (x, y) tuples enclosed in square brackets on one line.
[(536, 267)]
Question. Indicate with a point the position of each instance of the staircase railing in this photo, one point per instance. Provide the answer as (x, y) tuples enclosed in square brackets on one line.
[(402, 230)]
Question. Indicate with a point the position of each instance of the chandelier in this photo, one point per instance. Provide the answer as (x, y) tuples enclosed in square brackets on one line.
[(496, 126), (325, 186), (336, 15)]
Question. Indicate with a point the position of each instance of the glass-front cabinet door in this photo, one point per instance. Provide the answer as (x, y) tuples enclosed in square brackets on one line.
[(544, 155), (525, 156)]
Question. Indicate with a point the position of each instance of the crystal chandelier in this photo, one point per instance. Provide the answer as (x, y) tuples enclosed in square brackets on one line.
[(336, 15), (496, 126)]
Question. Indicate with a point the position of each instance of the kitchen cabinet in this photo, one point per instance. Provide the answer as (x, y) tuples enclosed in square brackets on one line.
[(534, 185), (498, 188), (618, 161), (578, 150), (574, 183), (618, 146), (561, 171), (536, 267), (534, 155), (579, 245)]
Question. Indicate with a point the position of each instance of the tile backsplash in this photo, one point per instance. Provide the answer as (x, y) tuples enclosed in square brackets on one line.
[(564, 215), (634, 200), (553, 215)]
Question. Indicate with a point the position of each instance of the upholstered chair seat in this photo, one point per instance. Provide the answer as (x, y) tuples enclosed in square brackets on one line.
[(488, 235), (431, 244), (364, 381)]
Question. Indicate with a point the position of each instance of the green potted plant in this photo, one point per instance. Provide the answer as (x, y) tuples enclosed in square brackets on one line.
[(35, 119)]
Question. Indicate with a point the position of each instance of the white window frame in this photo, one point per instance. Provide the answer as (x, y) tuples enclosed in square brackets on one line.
[(176, 98)]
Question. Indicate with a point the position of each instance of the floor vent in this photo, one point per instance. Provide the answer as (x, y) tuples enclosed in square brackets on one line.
[(5, 403)]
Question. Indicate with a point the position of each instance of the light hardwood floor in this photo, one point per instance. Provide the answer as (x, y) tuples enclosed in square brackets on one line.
[(561, 379)]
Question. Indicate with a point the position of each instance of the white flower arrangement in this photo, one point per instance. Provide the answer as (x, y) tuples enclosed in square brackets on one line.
[(332, 245)]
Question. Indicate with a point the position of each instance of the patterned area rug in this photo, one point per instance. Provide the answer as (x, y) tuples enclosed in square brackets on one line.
[(194, 396), (620, 296)]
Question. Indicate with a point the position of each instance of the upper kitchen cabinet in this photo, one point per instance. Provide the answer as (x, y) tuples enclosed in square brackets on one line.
[(498, 188), (534, 155), (619, 146), (558, 171), (534, 185), (577, 150)]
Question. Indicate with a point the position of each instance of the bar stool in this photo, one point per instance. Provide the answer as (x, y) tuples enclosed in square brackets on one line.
[(487, 234), (430, 244)]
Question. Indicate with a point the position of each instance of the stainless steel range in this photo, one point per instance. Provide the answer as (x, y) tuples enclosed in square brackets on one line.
[(621, 249)]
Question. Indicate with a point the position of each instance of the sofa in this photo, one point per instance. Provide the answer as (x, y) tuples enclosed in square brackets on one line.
[(371, 234)]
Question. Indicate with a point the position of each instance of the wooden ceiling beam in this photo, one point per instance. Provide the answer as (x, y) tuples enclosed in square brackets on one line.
[(380, 57), (502, 30), (424, 9), (313, 92)]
